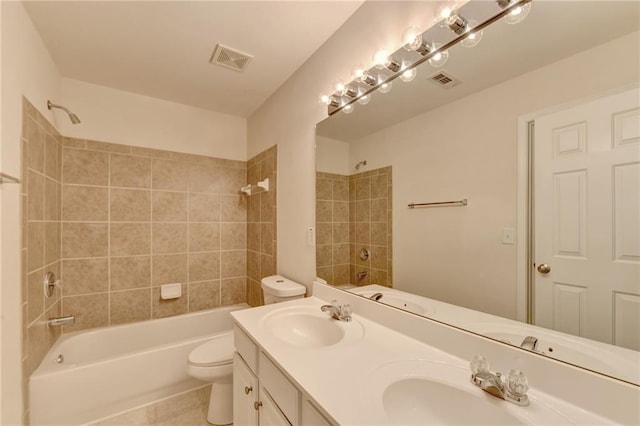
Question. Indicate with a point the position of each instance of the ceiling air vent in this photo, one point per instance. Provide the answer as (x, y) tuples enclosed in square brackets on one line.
[(444, 80), (230, 58)]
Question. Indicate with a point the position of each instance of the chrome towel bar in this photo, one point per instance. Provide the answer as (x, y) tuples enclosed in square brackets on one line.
[(439, 203), (5, 178)]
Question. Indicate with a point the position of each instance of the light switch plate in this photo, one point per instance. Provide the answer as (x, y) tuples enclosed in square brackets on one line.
[(508, 236)]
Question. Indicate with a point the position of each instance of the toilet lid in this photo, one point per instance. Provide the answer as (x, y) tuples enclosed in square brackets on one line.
[(216, 351)]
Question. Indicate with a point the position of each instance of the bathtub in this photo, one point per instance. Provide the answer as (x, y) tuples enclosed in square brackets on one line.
[(109, 370)]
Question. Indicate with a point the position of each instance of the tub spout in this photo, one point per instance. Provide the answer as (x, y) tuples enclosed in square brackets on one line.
[(58, 321)]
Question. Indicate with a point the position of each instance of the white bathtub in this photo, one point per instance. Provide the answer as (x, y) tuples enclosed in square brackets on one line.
[(112, 369)]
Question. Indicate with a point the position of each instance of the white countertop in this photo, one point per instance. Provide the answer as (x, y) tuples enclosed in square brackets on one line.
[(342, 378)]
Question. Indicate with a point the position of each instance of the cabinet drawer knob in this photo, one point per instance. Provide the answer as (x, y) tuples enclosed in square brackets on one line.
[(248, 389), (257, 405)]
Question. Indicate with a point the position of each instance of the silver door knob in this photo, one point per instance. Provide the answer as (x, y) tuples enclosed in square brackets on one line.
[(543, 268)]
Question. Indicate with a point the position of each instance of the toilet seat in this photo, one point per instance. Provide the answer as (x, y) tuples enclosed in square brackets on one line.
[(217, 351)]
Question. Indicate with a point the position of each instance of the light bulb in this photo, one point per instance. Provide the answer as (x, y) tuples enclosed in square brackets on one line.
[(348, 109), (412, 38), (385, 87), (380, 59), (357, 72), (444, 10), (325, 99), (364, 99), (439, 59), (339, 88), (474, 37), (409, 75), (518, 13)]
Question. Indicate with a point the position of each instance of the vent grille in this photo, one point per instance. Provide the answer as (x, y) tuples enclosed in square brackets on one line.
[(444, 80), (230, 58)]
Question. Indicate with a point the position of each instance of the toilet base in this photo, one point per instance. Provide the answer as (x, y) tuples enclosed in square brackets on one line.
[(221, 403)]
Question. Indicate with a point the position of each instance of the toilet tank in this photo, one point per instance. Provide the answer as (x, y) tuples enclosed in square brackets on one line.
[(277, 288)]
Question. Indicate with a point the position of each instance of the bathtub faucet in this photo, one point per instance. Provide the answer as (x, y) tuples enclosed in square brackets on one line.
[(58, 321), (512, 389)]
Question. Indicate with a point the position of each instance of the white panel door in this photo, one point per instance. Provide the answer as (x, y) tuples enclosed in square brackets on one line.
[(587, 220), (245, 393)]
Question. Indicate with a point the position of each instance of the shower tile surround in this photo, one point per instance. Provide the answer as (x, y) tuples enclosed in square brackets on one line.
[(352, 213), (115, 222)]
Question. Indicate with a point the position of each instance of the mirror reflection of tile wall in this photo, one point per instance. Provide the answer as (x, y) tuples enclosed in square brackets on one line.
[(354, 213)]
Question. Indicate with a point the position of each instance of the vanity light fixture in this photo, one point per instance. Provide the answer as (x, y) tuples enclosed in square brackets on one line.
[(468, 32)]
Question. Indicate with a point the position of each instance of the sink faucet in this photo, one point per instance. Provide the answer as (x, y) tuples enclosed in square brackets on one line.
[(339, 312), (513, 389), (530, 343)]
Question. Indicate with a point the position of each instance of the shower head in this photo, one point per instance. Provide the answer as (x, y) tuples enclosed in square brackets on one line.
[(74, 118)]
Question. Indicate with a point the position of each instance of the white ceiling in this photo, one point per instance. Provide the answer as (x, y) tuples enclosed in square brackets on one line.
[(162, 49), (553, 30)]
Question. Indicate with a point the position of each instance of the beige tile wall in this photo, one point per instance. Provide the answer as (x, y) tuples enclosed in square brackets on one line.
[(354, 213), (261, 223), (41, 155), (134, 219), (333, 251)]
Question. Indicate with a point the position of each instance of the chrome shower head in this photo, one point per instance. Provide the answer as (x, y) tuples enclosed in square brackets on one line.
[(74, 118)]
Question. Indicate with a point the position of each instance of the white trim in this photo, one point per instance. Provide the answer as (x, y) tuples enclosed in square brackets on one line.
[(522, 240)]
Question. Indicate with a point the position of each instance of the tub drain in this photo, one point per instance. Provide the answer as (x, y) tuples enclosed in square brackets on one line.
[(60, 359)]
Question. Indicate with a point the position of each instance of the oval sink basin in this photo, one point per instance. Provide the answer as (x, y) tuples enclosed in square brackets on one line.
[(419, 401), (422, 392), (304, 327)]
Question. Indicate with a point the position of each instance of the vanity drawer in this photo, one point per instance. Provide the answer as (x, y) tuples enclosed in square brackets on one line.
[(283, 392), (245, 347)]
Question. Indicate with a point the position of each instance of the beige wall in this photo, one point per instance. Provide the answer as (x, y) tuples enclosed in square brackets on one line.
[(131, 119)]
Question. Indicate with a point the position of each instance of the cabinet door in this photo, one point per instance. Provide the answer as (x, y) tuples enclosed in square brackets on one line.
[(270, 414), (311, 416), (245, 393)]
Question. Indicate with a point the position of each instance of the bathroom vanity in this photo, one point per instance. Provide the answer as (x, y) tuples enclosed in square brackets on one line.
[(295, 364)]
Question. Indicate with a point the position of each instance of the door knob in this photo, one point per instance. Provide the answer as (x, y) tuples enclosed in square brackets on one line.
[(257, 405), (543, 268), (248, 389)]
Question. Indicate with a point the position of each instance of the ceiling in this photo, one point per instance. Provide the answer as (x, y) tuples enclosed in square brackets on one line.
[(162, 49), (553, 30)]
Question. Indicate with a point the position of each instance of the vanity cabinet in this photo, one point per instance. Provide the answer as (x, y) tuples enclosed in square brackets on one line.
[(262, 393)]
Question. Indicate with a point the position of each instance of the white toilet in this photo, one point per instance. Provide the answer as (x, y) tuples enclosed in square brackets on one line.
[(212, 361), (277, 288)]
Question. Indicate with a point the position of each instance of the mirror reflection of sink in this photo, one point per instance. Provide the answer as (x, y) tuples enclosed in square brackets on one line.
[(423, 392), (396, 299), (309, 327)]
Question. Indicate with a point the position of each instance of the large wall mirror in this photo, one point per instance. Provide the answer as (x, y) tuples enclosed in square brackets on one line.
[(538, 129)]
